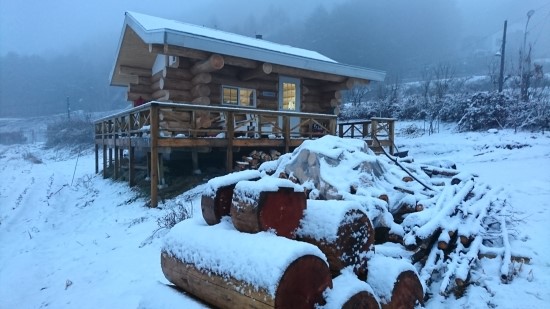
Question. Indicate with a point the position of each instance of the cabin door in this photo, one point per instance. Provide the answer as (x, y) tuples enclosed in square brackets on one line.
[(289, 100)]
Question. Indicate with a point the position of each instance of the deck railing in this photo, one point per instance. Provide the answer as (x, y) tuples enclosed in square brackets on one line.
[(177, 125), (378, 132), (180, 121)]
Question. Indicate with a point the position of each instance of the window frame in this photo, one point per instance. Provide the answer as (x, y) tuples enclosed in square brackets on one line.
[(253, 103)]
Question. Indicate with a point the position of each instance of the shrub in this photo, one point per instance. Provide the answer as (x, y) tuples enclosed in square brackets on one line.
[(485, 111), (9, 138), (69, 133)]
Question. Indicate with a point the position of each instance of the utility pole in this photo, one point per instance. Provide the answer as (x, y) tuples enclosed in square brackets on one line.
[(68, 109), (502, 51)]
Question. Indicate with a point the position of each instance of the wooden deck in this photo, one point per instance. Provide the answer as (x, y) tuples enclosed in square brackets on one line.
[(159, 127)]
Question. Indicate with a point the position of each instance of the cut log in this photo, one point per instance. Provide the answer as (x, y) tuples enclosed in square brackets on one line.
[(228, 269), (216, 199), (395, 282), (342, 231), (202, 78), (213, 63), (269, 203), (200, 90), (259, 72), (348, 292)]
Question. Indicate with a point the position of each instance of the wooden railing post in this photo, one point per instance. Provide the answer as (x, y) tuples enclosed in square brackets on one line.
[(340, 129), (96, 151), (391, 134), (230, 125), (374, 133), (286, 132), (154, 131)]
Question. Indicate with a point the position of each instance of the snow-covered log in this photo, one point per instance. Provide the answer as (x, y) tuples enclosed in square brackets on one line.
[(268, 204), (342, 231), (395, 282), (348, 292), (216, 264), (216, 199)]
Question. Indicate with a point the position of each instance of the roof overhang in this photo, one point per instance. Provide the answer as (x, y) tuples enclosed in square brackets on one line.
[(141, 30)]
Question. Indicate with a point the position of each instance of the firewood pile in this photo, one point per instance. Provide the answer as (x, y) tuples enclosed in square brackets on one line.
[(334, 226), (255, 159)]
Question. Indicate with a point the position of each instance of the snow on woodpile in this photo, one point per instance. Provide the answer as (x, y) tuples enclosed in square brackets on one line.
[(431, 225), (223, 181), (220, 249)]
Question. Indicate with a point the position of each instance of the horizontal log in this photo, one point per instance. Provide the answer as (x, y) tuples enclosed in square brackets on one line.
[(144, 80), (277, 272), (201, 101), (264, 85), (133, 96), (136, 88), (260, 72), (284, 70), (201, 55), (216, 198), (255, 209), (171, 115), (175, 84), (347, 237), (202, 78), (175, 95), (213, 63), (129, 70), (173, 73)]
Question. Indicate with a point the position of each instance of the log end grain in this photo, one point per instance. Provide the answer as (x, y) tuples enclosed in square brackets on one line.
[(406, 292), (282, 211), (214, 208), (303, 283), (362, 299)]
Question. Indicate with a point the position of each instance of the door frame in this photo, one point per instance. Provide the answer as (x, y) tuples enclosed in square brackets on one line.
[(294, 121)]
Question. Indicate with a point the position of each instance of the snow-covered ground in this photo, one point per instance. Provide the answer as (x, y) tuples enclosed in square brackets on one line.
[(70, 239)]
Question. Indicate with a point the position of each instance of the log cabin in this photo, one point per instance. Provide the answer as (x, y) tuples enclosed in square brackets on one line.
[(198, 90)]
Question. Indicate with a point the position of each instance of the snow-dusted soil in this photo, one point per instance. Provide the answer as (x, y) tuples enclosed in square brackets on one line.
[(85, 242)]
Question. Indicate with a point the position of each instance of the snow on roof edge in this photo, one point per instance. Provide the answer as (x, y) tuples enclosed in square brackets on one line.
[(168, 30)]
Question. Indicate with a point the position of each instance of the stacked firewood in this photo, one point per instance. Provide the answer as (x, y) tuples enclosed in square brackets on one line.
[(382, 232), (253, 160)]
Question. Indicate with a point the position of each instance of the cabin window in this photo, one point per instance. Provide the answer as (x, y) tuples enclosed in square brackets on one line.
[(239, 96)]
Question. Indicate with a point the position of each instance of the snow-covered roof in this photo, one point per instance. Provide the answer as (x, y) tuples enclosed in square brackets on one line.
[(155, 30)]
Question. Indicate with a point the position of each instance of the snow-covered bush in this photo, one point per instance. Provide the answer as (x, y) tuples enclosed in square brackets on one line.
[(70, 132), (486, 110), (9, 138)]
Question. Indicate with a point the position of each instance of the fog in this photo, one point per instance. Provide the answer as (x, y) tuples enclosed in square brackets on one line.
[(46, 42)]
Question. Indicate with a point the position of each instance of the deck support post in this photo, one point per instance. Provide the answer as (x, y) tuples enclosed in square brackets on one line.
[(131, 172), (104, 161), (286, 133), (154, 153), (117, 160), (391, 135), (195, 160), (230, 134), (96, 151)]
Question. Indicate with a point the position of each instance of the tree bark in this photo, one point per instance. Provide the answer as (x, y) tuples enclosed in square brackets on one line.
[(301, 285)]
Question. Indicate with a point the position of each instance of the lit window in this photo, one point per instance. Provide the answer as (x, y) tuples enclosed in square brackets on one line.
[(239, 96)]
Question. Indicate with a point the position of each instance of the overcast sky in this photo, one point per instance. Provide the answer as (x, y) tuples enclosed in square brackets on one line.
[(40, 27)]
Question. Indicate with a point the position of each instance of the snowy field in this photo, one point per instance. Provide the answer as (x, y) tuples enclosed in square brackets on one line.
[(70, 239)]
